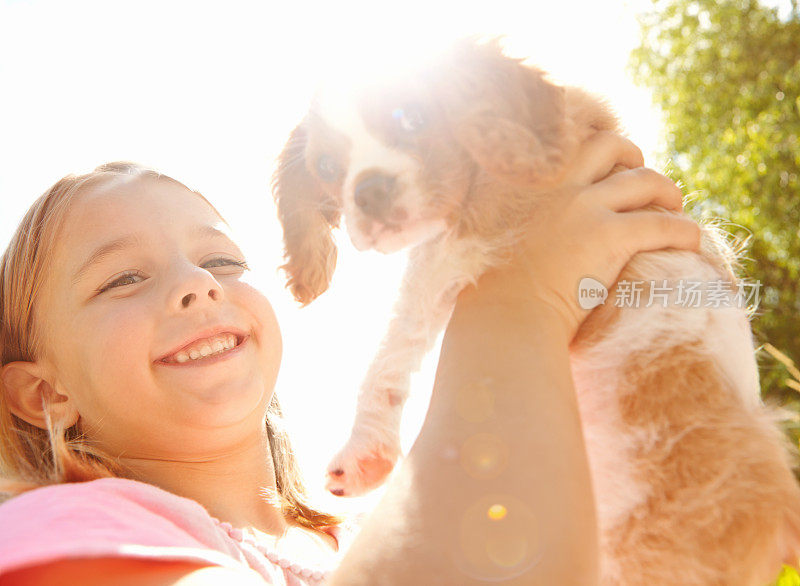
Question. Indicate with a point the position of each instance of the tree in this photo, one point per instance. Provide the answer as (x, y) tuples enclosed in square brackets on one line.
[(726, 74)]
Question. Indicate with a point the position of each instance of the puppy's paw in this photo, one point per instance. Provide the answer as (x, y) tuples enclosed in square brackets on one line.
[(360, 467)]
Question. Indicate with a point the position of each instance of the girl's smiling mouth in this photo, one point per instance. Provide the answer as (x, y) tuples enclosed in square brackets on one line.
[(207, 351), (207, 360)]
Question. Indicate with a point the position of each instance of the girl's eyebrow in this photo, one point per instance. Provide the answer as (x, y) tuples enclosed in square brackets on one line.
[(133, 240), (106, 250)]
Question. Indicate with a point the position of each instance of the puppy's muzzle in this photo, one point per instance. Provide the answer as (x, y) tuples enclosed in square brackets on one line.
[(374, 195)]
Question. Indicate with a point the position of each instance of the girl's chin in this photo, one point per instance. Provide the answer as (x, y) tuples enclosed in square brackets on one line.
[(218, 404)]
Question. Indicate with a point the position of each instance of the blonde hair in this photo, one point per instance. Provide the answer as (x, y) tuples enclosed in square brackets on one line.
[(31, 457)]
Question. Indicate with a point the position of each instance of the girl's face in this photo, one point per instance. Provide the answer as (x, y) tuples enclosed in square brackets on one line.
[(109, 319)]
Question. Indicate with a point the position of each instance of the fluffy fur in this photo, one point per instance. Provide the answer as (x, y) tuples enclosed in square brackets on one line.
[(692, 478)]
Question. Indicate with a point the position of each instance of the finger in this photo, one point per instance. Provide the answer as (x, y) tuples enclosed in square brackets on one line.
[(636, 188), (600, 153), (652, 230)]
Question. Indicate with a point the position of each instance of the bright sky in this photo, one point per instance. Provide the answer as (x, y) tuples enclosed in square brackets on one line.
[(207, 92)]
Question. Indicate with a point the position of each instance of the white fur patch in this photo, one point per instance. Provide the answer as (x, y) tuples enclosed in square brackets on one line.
[(730, 341), (338, 110)]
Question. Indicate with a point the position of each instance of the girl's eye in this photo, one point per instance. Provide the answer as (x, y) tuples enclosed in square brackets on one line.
[(227, 262), (119, 281), (124, 278)]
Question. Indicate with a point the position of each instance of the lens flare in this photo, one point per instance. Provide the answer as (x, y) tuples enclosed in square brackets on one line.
[(499, 538), (497, 512), (484, 456)]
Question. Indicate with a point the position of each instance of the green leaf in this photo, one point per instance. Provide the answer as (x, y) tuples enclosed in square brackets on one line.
[(726, 74)]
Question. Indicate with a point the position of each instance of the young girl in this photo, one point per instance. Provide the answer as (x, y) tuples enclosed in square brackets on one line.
[(138, 366)]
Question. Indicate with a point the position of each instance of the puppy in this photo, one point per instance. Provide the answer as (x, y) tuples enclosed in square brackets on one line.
[(692, 478)]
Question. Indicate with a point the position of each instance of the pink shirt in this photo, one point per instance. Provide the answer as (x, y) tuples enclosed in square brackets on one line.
[(119, 517)]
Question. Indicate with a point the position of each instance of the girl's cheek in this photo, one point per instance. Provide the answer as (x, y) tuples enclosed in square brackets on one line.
[(254, 300), (263, 319), (117, 345), (125, 328)]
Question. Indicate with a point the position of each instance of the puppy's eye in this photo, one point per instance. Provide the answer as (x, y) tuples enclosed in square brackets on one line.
[(327, 168), (409, 118)]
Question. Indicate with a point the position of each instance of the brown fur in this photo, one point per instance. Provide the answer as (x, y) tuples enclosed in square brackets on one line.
[(307, 214), (509, 118), (723, 502)]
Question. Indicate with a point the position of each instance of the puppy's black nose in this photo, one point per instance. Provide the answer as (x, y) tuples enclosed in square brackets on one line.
[(374, 195)]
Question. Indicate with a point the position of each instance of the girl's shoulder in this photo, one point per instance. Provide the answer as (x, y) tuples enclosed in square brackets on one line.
[(103, 506), (93, 495), (116, 517), (107, 517)]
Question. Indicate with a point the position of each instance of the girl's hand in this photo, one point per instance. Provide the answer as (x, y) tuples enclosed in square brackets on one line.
[(591, 228)]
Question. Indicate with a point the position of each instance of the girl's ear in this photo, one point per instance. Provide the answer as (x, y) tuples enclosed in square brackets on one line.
[(507, 115), (307, 215), (27, 391)]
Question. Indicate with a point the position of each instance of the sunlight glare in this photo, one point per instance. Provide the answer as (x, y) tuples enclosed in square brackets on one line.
[(208, 93)]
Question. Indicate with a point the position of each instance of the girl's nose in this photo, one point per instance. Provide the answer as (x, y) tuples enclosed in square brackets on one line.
[(197, 286)]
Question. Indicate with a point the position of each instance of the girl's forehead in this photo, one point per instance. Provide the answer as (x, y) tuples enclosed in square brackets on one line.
[(133, 203), (144, 209)]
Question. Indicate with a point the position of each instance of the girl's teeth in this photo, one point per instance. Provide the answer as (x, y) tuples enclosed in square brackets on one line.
[(216, 347)]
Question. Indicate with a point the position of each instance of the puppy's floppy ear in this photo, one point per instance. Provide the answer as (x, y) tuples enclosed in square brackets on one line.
[(307, 215), (507, 115)]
